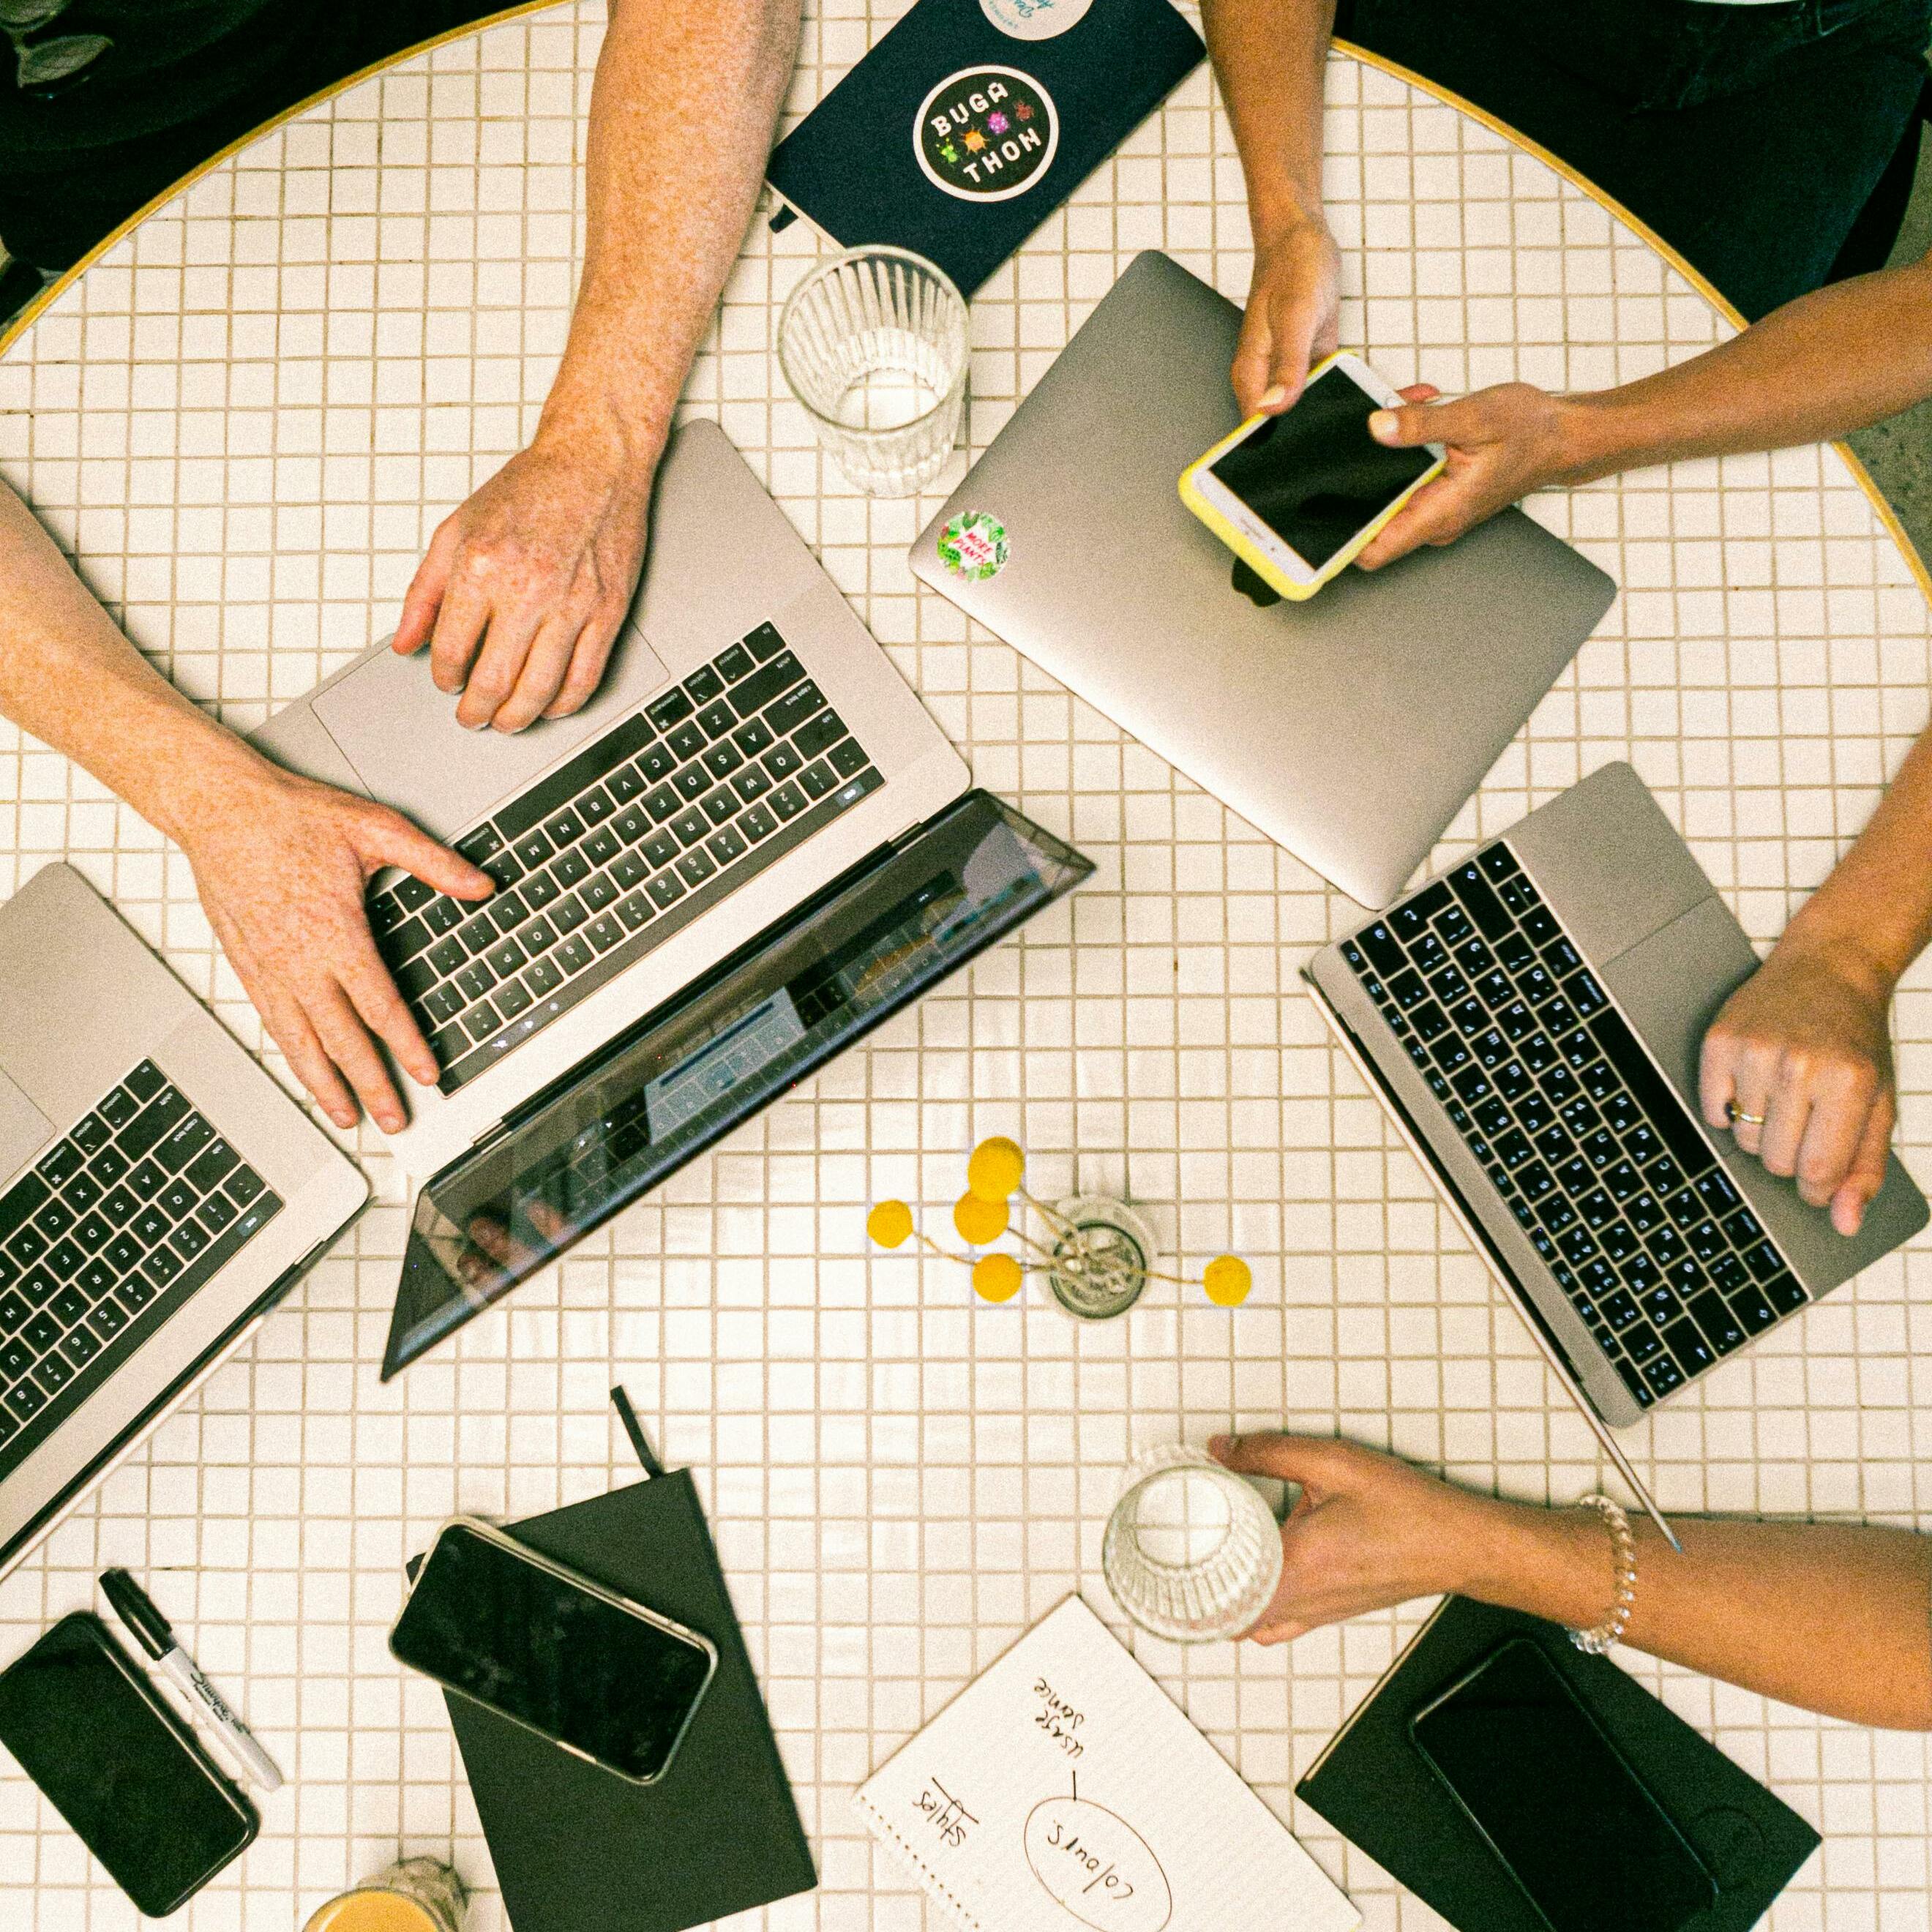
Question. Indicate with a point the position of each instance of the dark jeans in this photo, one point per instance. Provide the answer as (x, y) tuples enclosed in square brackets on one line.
[(1749, 137), (71, 176)]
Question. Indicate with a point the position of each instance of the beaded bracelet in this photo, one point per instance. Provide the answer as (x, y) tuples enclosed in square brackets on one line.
[(1595, 1642)]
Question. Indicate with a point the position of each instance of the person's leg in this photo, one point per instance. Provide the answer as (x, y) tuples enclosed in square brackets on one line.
[(1811, 145), (57, 203), (1875, 233), (1756, 189)]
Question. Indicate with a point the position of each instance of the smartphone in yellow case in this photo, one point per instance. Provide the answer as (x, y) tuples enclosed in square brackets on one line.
[(1298, 497)]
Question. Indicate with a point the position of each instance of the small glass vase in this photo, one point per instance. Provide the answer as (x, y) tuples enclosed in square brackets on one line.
[(1100, 1264)]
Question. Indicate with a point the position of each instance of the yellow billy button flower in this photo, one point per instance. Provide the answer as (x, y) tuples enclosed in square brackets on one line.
[(889, 1223), (995, 1169), (996, 1277), (980, 1221), (1227, 1281)]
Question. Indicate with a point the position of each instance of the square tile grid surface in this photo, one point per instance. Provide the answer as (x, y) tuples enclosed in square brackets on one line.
[(245, 420)]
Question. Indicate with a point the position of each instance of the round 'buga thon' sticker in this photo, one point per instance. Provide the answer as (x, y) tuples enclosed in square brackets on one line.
[(974, 545), (986, 134)]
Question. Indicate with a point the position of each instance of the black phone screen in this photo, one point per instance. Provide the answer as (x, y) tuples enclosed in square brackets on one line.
[(1580, 1833), (539, 1648), (1314, 475), (116, 1763)]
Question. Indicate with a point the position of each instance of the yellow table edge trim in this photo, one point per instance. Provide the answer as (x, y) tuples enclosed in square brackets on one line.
[(18, 327), (1860, 475)]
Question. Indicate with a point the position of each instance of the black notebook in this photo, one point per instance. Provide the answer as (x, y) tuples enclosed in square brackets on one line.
[(971, 121), (578, 1849), (1374, 1786)]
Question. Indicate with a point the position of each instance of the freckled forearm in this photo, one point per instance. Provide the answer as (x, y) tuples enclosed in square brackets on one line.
[(68, 676), (681, 119)]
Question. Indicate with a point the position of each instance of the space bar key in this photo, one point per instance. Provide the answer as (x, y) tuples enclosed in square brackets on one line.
[(573, 776)]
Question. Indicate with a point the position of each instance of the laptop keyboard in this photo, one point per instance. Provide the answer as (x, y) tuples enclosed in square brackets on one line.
[(1606, 1170), (618, 848), (105, 1237)]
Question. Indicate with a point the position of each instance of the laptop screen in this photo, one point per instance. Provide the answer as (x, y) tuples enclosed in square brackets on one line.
[(686, 1074)]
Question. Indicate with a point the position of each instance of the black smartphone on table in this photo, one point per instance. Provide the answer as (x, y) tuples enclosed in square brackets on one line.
[(1557, 1801), (595, 1673), (114, 1761)]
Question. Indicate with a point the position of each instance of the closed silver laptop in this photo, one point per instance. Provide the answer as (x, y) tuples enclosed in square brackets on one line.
[(1532, 1019), (158, 1193), (750, 744), (1350, 728)]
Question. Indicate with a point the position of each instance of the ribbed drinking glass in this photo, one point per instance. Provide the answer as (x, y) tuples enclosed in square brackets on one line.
[(1191, 1552), (873, 344)]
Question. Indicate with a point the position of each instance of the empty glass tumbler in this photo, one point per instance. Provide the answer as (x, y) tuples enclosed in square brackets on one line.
[(873, 343), (1191, 1552)]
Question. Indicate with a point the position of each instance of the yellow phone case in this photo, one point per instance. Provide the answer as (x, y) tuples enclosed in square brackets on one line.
[(1238, 540)]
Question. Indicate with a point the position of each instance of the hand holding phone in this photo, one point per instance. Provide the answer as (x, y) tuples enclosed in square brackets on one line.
[(1298, 497), (552, 1651)]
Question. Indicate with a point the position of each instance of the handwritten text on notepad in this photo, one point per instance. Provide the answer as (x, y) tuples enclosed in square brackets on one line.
[(1062, 1791), (1097, 1866), (945, 1813), (1058, 1719)]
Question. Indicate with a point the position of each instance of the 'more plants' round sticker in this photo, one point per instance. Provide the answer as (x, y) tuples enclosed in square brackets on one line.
[(974, 545), (986, 134), (1034, 19)]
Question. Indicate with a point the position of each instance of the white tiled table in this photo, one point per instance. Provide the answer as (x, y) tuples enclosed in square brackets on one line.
[(245, 419)]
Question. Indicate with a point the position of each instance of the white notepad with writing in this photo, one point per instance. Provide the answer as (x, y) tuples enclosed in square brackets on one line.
[(1062, 1788)]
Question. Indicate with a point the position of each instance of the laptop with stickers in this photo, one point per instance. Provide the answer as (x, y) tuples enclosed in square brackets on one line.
[(1351, 728)]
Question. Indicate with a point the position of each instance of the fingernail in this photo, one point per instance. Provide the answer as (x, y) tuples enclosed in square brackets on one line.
[(1272, 398), (390, 1123), (1382, 425), (345, 1121)]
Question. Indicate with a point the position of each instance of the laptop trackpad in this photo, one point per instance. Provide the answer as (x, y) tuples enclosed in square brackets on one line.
[(24, 1128), (400, 733)]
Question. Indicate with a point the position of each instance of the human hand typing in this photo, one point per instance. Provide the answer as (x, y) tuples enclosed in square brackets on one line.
[(1365, 1531), (525, 585), (1293, 299), (1802, 1052), (282, 864), (1501, 444)]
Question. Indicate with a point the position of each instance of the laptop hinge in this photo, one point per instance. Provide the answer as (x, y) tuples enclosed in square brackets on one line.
[(877, 856)]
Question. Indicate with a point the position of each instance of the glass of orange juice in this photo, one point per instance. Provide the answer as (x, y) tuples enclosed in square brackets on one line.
[(413, 1895)]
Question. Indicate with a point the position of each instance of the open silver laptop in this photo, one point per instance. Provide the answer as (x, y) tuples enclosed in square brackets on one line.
[(1350, 728), (751, 848), (158, 1192), (1532, 1019), (749, 727)]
